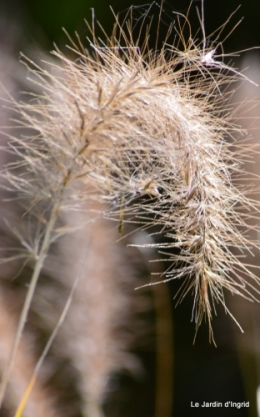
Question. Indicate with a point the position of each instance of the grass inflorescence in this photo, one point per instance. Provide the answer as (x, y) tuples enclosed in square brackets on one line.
[(149, 132)]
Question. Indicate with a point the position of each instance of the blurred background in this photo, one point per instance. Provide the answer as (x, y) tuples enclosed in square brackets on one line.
[(42, 20), (170, 371)]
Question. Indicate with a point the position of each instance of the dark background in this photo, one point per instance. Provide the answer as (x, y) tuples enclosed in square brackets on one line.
[(43, 20)]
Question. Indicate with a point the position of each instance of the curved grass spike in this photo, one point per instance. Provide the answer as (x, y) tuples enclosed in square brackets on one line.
[(151, 134)]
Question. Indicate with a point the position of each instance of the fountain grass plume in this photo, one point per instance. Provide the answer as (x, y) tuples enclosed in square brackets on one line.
[(149, 132)]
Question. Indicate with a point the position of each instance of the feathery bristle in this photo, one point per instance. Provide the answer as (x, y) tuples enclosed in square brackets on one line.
[(148, 132)]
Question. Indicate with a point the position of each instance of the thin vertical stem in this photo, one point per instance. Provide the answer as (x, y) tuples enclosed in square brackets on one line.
[(22, 320)]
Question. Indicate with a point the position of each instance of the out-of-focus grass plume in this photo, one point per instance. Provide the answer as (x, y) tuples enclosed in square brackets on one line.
[(144, 135)]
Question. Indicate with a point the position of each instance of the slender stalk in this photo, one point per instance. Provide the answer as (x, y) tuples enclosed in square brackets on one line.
[(28, 299), (53, 335)]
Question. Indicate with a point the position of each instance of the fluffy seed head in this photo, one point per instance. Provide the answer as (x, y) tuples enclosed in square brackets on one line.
[(151, 133)]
